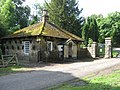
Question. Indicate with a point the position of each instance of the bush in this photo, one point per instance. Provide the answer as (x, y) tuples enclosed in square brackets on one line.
[(54, 56)]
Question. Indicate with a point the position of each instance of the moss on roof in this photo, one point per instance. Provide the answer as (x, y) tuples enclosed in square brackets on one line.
[(50, 30)]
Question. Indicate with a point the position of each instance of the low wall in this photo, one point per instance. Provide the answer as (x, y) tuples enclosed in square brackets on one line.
[(84, 53)]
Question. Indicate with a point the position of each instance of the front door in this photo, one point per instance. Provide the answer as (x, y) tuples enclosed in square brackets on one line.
[(39, 56), (70, 50)]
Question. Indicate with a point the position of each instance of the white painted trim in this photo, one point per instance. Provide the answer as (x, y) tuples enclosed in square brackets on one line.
[(26, 47)]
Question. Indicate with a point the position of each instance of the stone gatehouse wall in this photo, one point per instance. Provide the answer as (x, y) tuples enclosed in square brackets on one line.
[(37, 49), (15, 46), (84, 53)]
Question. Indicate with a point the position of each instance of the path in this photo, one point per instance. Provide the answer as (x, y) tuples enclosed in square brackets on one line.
[(52, 75)]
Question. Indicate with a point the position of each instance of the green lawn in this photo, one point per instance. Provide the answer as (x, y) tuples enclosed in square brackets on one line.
[(115, 53), (9, 70), (106, 82)]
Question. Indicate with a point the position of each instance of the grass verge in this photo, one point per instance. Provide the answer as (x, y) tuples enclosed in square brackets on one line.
[(9, 70), (105, 82), (115, 53)]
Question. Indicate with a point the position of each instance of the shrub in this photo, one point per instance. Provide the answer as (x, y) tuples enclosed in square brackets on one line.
[(54, 56)]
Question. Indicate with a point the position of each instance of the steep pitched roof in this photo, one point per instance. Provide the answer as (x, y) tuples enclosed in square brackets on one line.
[(50, 30)]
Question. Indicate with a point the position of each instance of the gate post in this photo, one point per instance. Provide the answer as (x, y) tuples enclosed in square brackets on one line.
[(108, 48), (93, 49)]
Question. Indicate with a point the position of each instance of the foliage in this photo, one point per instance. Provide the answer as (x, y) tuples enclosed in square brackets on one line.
[(7, 11), (9, 70), (90, 30), (2, 27), (14, 14), (65, 14), (13, 29), (21, 13), (115, 54), (109, 27), (85, 33), (36, 17), (105, 82)]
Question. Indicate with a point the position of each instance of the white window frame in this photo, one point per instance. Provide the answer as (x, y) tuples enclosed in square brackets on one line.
[(26, 47), (51, 45)]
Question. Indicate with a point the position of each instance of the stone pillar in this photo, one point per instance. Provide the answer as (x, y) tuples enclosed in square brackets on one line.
[(93, 49), (65, 51), (108, 50)]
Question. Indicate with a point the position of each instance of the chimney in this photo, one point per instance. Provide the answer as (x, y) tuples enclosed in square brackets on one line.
[(45, 16)]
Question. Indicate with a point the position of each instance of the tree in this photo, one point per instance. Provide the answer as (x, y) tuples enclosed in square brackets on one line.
[(7, 11), (16, 16), (65, 14), (36, 17), (2, 27), (21, 14), (90, 30), (85, 33), (94, 30), (109, 27)]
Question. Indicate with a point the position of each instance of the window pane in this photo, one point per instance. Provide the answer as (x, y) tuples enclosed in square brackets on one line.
[(26, 47)]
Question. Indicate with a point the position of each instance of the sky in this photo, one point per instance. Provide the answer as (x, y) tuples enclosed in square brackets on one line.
[(91, 6)]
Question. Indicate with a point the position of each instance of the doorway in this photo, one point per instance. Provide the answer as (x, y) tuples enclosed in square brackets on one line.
[(70, 50)]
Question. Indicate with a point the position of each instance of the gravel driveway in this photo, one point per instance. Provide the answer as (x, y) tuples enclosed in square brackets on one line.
[(44, 77)]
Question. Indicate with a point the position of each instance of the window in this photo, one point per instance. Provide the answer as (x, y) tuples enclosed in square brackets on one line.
[(49, 45), (9, 42), (16, 42), (12, 47), (18, 48), (26, 47), (7, 47), (20, 42)]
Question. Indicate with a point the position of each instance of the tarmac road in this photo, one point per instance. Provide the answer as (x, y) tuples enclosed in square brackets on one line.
[(44, 77)]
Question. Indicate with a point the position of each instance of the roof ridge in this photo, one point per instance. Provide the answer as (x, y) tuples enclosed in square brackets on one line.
[(43, 25)]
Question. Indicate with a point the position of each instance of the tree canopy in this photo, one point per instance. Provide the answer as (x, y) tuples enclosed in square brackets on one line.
[(65, 14), (37, 14), (2, 27), (14, 13), (90, 30), (109, 27)]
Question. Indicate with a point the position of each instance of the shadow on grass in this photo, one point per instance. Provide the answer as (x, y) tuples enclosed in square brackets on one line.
[(90, 86), (84, 85)]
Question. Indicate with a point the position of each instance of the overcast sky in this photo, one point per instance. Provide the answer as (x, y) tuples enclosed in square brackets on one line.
[(92, 6)]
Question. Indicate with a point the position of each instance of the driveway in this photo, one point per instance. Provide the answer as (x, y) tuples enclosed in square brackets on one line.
[(43, 77)]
